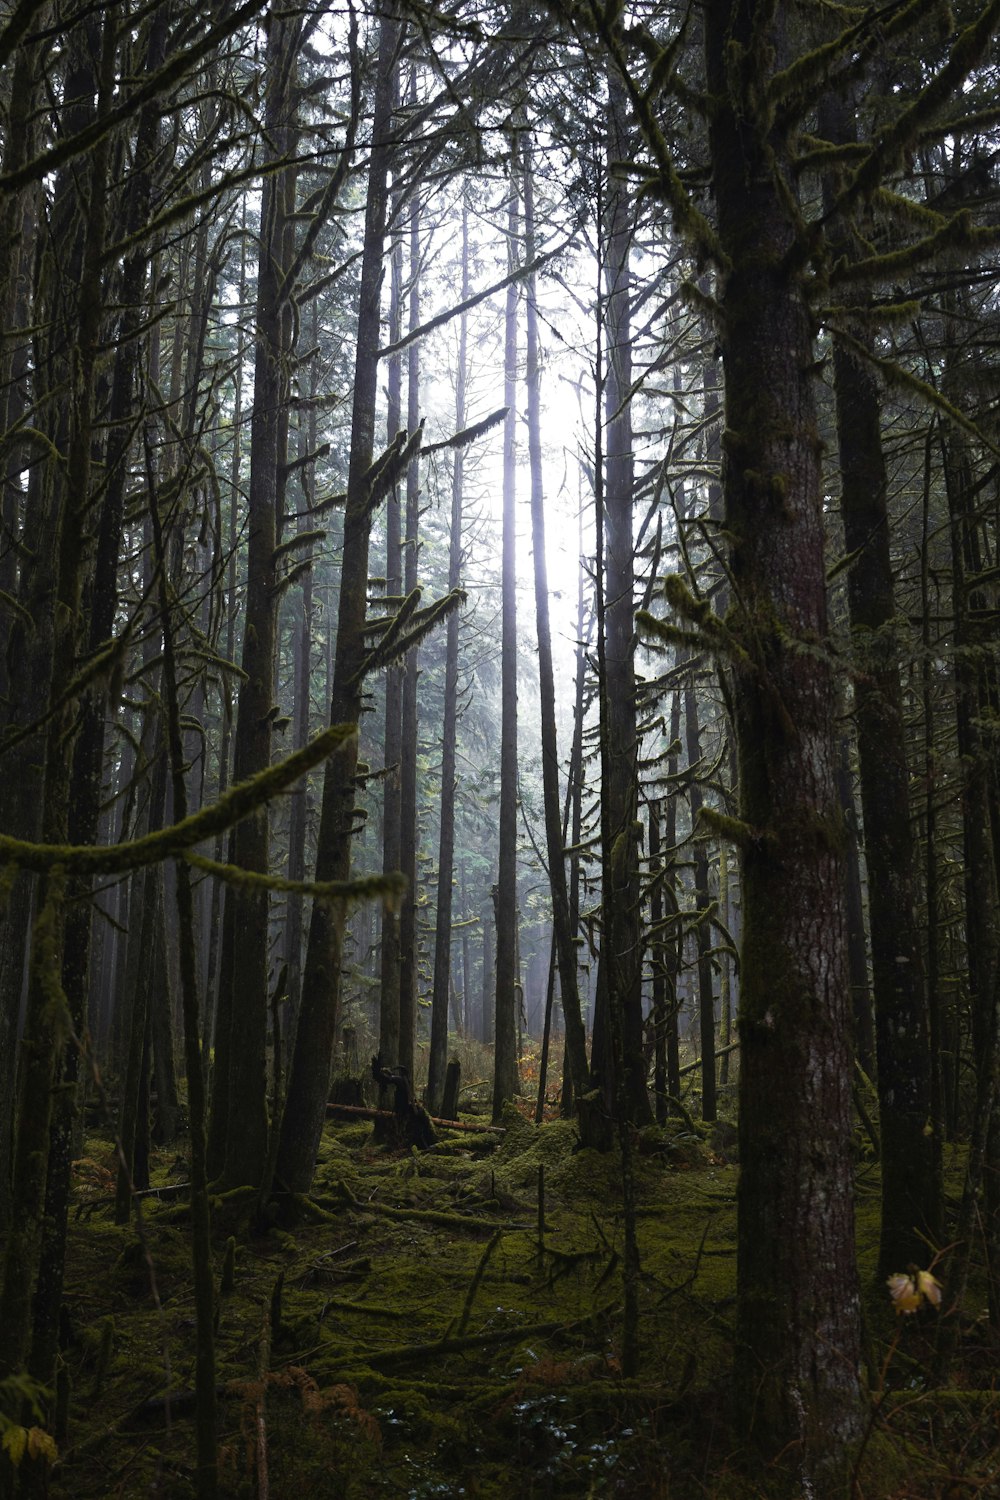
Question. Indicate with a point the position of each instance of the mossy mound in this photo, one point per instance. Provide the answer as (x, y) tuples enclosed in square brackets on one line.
[(572, 1170)]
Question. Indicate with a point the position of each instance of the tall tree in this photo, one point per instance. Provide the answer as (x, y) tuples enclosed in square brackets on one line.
[(388, 1026), (437, 1059), (308, 442), (703, 933), (910, 1135), (68, 309), (309, 1076), (24, 659), (620, 973), (505, 1062), (240, 1092), (798, 1334), (87, 775), (408, 812), (564, 934)]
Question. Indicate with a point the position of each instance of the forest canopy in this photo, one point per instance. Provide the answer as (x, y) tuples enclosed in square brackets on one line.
[(498, 556)]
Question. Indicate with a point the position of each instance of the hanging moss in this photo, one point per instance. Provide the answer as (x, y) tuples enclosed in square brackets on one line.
[(732, 829), (388, 888), (237, 803), (397, 641), (297, 539)]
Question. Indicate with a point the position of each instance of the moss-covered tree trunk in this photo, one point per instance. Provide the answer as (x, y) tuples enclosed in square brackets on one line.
[(857, 946), (911, 1147), (797, 1319)]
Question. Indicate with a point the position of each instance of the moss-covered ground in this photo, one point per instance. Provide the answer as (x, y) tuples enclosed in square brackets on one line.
[(411, 1331)]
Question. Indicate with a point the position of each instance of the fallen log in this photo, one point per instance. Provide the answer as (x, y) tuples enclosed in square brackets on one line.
[(360, 1112), (419, 1215), (692, 1067), (491, 1338)]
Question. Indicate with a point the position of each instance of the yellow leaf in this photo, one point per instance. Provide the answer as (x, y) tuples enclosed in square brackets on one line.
[(15, 1440), (904, 1294), (929, 1287), (909, 1292), (41, 1445)]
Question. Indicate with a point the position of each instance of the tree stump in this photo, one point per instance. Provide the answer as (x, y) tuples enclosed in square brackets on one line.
[(452, 1084)]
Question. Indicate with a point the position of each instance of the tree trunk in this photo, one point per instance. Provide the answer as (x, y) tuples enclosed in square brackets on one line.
[(620, 973), (658, 948), (505, 1074), (194, 1058), (703, 931), (308, 440), (438, 1059), (911, 1152), (798, 1317), (861, 999), (309, 1075), (22, 685), (86, 786), (408, 830), (69, 308), (217, 1004), (388, 1029), (146, 911), (241, 1065), (675, 945), (576, 1040), (976, 704)]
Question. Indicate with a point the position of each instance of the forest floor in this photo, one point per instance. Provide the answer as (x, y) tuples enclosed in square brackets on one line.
[(417, 1334)]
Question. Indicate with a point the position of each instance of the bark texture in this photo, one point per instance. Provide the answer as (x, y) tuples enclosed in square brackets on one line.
[(798, 1325)]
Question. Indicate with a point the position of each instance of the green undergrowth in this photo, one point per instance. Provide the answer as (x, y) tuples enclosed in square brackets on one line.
[(424, 1335)]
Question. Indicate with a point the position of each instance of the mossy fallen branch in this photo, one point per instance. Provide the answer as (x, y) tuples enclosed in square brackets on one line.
[(370, 1309), (363, 1112), (694, 1066), (470, 1296), (419, 1215), (404, 1354)]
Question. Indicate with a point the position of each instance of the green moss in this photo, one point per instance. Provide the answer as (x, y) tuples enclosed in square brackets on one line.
[(539, 1414)]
